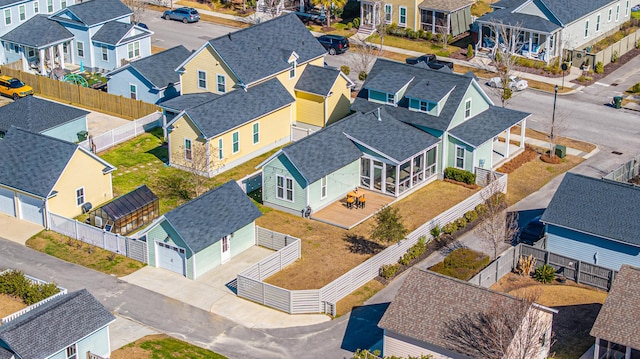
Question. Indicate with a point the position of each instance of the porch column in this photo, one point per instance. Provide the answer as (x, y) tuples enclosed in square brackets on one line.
[(596, 349), (530, 45), (523, 125), (61, 55), (497, 33), (52, 61), (71, 52), (24, 60), (448, 24), (506, 155), (547, 52), (397, 181), (627, 353), (42, 60), (433, 21)]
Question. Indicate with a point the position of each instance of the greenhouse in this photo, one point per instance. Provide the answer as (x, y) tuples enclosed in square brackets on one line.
[(128, 212)]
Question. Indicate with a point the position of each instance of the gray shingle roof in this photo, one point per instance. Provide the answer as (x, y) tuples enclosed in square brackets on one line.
[(317, 80), (525, 21), (94, 12), (32, 162), (331, 148), (507, 4), (427, 301), (598, 207), (239, 107), (445, 5), (486, 125), (159, 68), (37, 115), (429, 90), (38, 31), (112, 32), (414, 118), (4, 3), (184, 102), (269, 45), (571, 10), (5, 354), (205, 220), (386, 82), (51, 327), (617, 321)]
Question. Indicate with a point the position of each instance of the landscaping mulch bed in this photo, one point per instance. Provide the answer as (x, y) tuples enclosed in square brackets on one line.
[(610, 68), (529, 154)]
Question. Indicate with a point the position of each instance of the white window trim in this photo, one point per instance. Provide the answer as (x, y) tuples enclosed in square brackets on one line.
[(617, 12), (198, 72), (468, 101), (63, 4), (233, 151), (284, 189), (36, 7), (84, 196), (79, 45), (626, 8), (458, 157), (323, 187), (292, 69), (104, 53), (190, 149), (224, 82), (586, 28), (400, 23), (254, 133), (131, 54), (220, 149), (610, 16), (598, 18), (50, 6), (7, 17), (135, 87), (390, 13), (391, 97), (24, 11), (73, 346)]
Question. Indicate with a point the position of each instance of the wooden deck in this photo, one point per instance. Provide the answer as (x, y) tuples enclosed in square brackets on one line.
[(338, 214)]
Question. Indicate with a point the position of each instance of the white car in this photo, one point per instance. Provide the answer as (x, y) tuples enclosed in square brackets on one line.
[(515, 83)]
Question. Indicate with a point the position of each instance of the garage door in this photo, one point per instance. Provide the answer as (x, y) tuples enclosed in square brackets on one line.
[(170, 257), (6, 202), (31, 209)]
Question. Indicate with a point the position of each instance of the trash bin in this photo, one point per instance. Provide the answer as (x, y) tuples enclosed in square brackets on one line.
[(82, 136), (561, 151), (617, 101)]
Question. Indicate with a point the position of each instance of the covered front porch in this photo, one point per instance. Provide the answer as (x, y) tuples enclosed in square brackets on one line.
[(532, 44), (502, 147), (370, 15), (445, 17)]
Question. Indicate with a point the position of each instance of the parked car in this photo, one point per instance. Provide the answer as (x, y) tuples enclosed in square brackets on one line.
[(142, 25), (430, 60), (14, 88), (635, 8), (184, 14), (532, 232), (335, 44), (515, 83)]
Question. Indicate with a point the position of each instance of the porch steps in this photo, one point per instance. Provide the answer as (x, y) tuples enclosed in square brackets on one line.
[(364, 31)]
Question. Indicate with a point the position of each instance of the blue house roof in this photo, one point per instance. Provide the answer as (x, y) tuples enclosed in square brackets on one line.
[(94, 12), (601, 208), (159, 68), (38, 32), (486, 125), (205, 220)]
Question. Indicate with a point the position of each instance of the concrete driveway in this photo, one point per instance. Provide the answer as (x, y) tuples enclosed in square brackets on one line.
[(215, 292), (99, 123), (17, 230)]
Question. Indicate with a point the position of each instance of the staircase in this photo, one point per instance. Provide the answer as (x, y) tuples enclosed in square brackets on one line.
[(365, 31)]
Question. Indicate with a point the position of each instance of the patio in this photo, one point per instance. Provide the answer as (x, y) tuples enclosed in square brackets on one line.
[(338, 214), (501, 154)]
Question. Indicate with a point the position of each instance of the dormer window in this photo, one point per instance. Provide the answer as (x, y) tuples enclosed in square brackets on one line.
[(292, 70), (467, 109), (391, 99)]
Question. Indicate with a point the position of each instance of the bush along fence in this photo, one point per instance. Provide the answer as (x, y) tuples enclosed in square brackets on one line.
[(324, 300), (608, 55), (130, 247), (83, 96), (123, 133), (12, 281)]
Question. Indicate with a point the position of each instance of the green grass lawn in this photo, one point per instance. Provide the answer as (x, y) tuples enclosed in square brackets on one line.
[(142, 161), (635, 15), (163, 347), (423, 46)]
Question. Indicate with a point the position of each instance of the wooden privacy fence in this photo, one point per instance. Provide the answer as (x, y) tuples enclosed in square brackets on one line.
[(501, 266), (83, 96), (130, 247), (323, 300), (625, 172)]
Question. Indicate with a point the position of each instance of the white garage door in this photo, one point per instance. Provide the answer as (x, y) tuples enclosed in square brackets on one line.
[(6, 202), (31, 209), (170, 257)]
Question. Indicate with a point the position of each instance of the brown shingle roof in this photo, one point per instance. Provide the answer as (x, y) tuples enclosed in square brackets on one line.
[(618, 319), (445, 5), (427, 301)]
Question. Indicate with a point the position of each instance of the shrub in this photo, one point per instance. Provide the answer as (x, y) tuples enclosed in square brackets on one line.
[(545, 274), (462, 263), (471, 216), (409, 33), (15, 283), (469, 51), (461, 223), (362, 75), (459, 175), (428, 35), (356, 22), (414, 252), (436, 231), (420, 34), (599, 67), (635, 88), (345, 69), (614, 56), (389, 226), (388, 270), (449, 228), (349, 25), (481, 209)]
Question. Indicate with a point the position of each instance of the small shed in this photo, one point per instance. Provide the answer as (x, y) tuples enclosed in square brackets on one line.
[(128, 212)]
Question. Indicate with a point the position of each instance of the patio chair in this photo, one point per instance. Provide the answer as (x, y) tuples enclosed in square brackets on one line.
[(362, 201), (350, 201)]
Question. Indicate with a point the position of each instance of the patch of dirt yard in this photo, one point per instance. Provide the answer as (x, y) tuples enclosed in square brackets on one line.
[(161, 346), (577, 306), (329, 251), (10, 305)]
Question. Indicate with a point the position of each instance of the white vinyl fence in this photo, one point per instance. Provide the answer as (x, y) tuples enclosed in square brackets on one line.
[(298, 133), (132, 248), (625, 172), (250, 285), (123, 133), (34, 280)]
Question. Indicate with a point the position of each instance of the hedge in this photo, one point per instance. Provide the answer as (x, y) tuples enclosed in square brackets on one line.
[(459, 175)]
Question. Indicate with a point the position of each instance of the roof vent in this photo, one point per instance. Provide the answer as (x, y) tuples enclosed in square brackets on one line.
[(427, 82), (229, 36), (379, 119)]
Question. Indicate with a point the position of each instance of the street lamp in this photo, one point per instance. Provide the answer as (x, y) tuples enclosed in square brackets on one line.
[(553, 123)]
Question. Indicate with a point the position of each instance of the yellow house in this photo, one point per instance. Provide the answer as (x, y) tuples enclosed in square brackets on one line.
[(227, 130), (43, 174)]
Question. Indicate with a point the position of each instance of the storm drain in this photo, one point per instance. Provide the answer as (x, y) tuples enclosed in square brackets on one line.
[(616, 153)]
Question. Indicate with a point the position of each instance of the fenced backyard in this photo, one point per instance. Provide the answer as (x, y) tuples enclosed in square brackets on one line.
[(123, 133), (62, 291), (323, 300), (625, 172), (83, 96), (606, 56), (130, 247)]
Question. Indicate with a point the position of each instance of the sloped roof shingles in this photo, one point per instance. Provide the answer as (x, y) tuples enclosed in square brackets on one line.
[(38, 32), (159, 68), (94, 12), (37, 115)]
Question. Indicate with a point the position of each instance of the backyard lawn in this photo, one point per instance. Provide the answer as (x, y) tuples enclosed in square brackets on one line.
[(424, 46), (10, 305), (161, 346)]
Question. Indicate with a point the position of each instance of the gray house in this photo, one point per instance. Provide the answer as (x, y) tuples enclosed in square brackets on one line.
[(72, 325), (45, 117), (594, 220), (151, 79)]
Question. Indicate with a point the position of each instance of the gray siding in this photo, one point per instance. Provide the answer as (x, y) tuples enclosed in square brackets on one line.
[(395, 344)]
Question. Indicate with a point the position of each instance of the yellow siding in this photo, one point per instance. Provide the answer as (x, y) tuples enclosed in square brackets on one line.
[(413, 13), (206, 60), (310, 109), (182, 129), (339, 103), (82, 171)]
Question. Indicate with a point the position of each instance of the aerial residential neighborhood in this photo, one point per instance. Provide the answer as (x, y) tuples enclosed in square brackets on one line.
[(341, 179)]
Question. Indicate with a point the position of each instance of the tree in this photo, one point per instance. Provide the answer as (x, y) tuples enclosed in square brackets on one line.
[(365, 55), (199, 161), (329, 6), (503, 56), (389, 226), (514, 328), (138, 7), (442, 32), (496, 224)]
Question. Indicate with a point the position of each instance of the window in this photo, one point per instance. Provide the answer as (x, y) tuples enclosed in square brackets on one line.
[(72, 352), (292, 70), (7, 16), (31, 52), (133, 91), (21, 11), (49, 5), (617, 12), (391, 98), (284, 188), (220, 152), (105, 53), (626, 9), (134, 49), (188, 154), (80, 46), (36, 7), (323, 187), (467, 109), (610, 14), (202, 79), (598, 23), (388, 13), (63, 4), (460, 157), (80, 196), (402, 18), (221, 84), (235, 142), (586, 28), (256, 133)]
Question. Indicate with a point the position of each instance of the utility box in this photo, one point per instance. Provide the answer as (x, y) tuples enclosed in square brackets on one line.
[(561, 151), (617, 101), (82, 136)]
